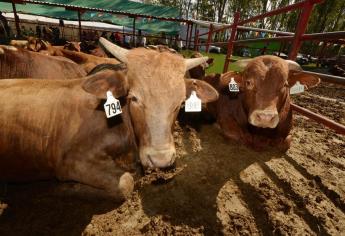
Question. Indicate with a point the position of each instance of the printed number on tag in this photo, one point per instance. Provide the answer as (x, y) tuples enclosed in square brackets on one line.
[(112, 106), (193, 103), (297, 88), (233, 86)]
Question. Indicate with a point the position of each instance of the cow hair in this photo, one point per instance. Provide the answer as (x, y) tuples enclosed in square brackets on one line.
[(161, 48), (107, 66)]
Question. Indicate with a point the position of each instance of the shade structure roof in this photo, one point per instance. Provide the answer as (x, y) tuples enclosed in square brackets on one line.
[(150, 18)]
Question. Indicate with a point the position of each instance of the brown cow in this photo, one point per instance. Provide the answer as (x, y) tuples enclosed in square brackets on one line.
[(70, 50), (57, 128), (53, 128), (260, 114), (99, 52), (21, 63), (72, 46), (157, 89), (197, 72), (87, 61)]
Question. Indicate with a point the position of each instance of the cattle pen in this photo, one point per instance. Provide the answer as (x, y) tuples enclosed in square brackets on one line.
[(296, 39), (217, 186)]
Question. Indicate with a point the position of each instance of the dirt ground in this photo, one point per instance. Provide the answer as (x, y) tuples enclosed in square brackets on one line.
[(218, 187)]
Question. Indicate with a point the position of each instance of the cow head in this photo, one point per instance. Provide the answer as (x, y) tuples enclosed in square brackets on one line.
[(157, 89), (265, 82), (72, 46)]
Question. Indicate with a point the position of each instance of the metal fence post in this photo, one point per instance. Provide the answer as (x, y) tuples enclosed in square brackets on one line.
[(301, 27), (196, 40), (187, 33), (209, 39), (190, 35), (231, 41), (16, 19)]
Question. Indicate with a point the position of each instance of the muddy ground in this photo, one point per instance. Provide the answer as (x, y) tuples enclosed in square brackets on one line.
[(219, 187)]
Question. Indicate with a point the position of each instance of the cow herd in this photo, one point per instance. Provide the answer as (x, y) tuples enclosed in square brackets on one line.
[(53, 123)]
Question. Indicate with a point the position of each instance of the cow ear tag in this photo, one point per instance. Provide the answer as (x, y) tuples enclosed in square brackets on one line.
[(233, 87), (297, 88), (193, 103), (112, 106)]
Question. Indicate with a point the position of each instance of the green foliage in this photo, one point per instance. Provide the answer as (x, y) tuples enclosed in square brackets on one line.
[(327, 16)]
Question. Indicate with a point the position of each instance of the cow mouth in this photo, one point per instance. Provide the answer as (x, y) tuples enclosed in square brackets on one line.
[(153, 158)]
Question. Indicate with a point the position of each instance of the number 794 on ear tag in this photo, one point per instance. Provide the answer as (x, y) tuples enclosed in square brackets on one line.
[(112, 106)]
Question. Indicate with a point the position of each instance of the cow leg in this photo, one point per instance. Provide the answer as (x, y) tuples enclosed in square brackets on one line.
[(99, 172), (230, 128)]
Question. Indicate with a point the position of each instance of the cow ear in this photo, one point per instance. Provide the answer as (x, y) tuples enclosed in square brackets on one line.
[(203, 90), (309, 81), (108, 80), (225, 79)]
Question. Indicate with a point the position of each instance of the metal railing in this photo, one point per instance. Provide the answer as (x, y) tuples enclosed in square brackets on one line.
[(296, 39)]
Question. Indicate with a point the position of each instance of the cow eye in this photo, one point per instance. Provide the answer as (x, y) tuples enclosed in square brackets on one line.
[(249, 84), (134, 99)]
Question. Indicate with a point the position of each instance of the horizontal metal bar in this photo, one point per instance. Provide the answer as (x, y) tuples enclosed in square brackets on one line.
[(271, 13), (339, 128), (265, 30), (306, 37), (324, 36), (283, 38), (213, 43), (279, 11), (328, 78)]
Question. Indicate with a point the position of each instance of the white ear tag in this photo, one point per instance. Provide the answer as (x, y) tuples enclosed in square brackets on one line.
[(112, 106), (297, 88), (193, 103), (233, 87)]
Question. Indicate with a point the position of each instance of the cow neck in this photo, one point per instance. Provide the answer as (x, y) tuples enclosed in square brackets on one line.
[(284, 109), (127, 120)]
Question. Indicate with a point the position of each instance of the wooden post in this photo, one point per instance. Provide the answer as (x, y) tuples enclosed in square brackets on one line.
[(16, 19)]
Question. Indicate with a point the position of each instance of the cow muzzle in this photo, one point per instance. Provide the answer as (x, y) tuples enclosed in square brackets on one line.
[(157, 158), (264, 118)]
